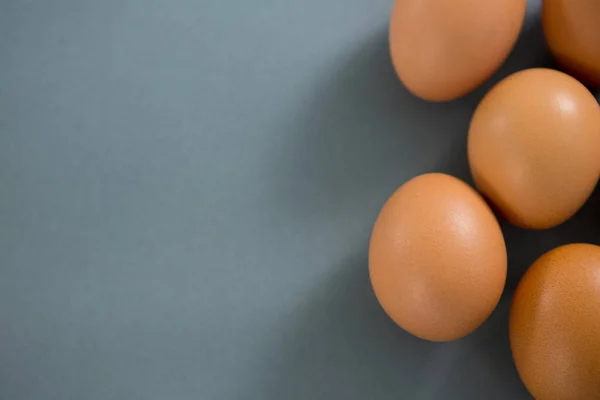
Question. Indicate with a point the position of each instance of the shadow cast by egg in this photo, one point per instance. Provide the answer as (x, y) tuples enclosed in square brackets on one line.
[(341, 345), (525, 246), (361, 134)]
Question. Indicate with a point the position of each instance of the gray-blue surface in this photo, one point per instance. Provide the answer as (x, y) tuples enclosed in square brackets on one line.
[(187, 190)]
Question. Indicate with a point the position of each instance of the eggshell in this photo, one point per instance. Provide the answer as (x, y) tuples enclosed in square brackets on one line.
[(534, 147), (437, 258), (555, 325), (572, 29), (444, 49)]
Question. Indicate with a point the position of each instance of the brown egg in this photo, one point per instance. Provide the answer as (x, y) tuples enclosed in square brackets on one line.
[(555, 325), (437, 258), (573, 34), (534, 147), (444, 49)]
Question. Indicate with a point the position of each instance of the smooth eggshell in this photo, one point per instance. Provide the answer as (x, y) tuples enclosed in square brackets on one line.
[(437, 258), (444, 49), (572, 29), (534, 147), (555, 325)]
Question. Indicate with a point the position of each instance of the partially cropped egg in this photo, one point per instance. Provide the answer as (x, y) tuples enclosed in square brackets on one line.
[(555, 324), (572, 29), (534, 147), (437, 258), (444, 49)]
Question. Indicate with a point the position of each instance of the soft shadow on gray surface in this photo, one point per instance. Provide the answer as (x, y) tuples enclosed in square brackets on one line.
[(524, 247), (362, 136), (341, 345)]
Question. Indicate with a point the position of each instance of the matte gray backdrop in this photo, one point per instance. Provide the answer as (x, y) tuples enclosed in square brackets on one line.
[(187, 189)]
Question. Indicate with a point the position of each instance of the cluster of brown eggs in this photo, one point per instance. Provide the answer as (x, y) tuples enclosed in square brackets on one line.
[(437, 257)]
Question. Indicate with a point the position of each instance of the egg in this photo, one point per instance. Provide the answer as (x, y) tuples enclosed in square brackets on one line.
[(573, 35), (437, 258), (444, 49), (555, 324), (534, 147)]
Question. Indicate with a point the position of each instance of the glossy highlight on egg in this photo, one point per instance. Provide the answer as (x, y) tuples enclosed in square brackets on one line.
[(534, 147), (437, 258)]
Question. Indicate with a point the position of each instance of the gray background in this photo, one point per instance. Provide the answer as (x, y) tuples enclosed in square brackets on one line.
[(187, 192)]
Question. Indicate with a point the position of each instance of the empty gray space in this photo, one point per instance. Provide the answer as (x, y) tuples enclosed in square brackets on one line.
[(187, 190)]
